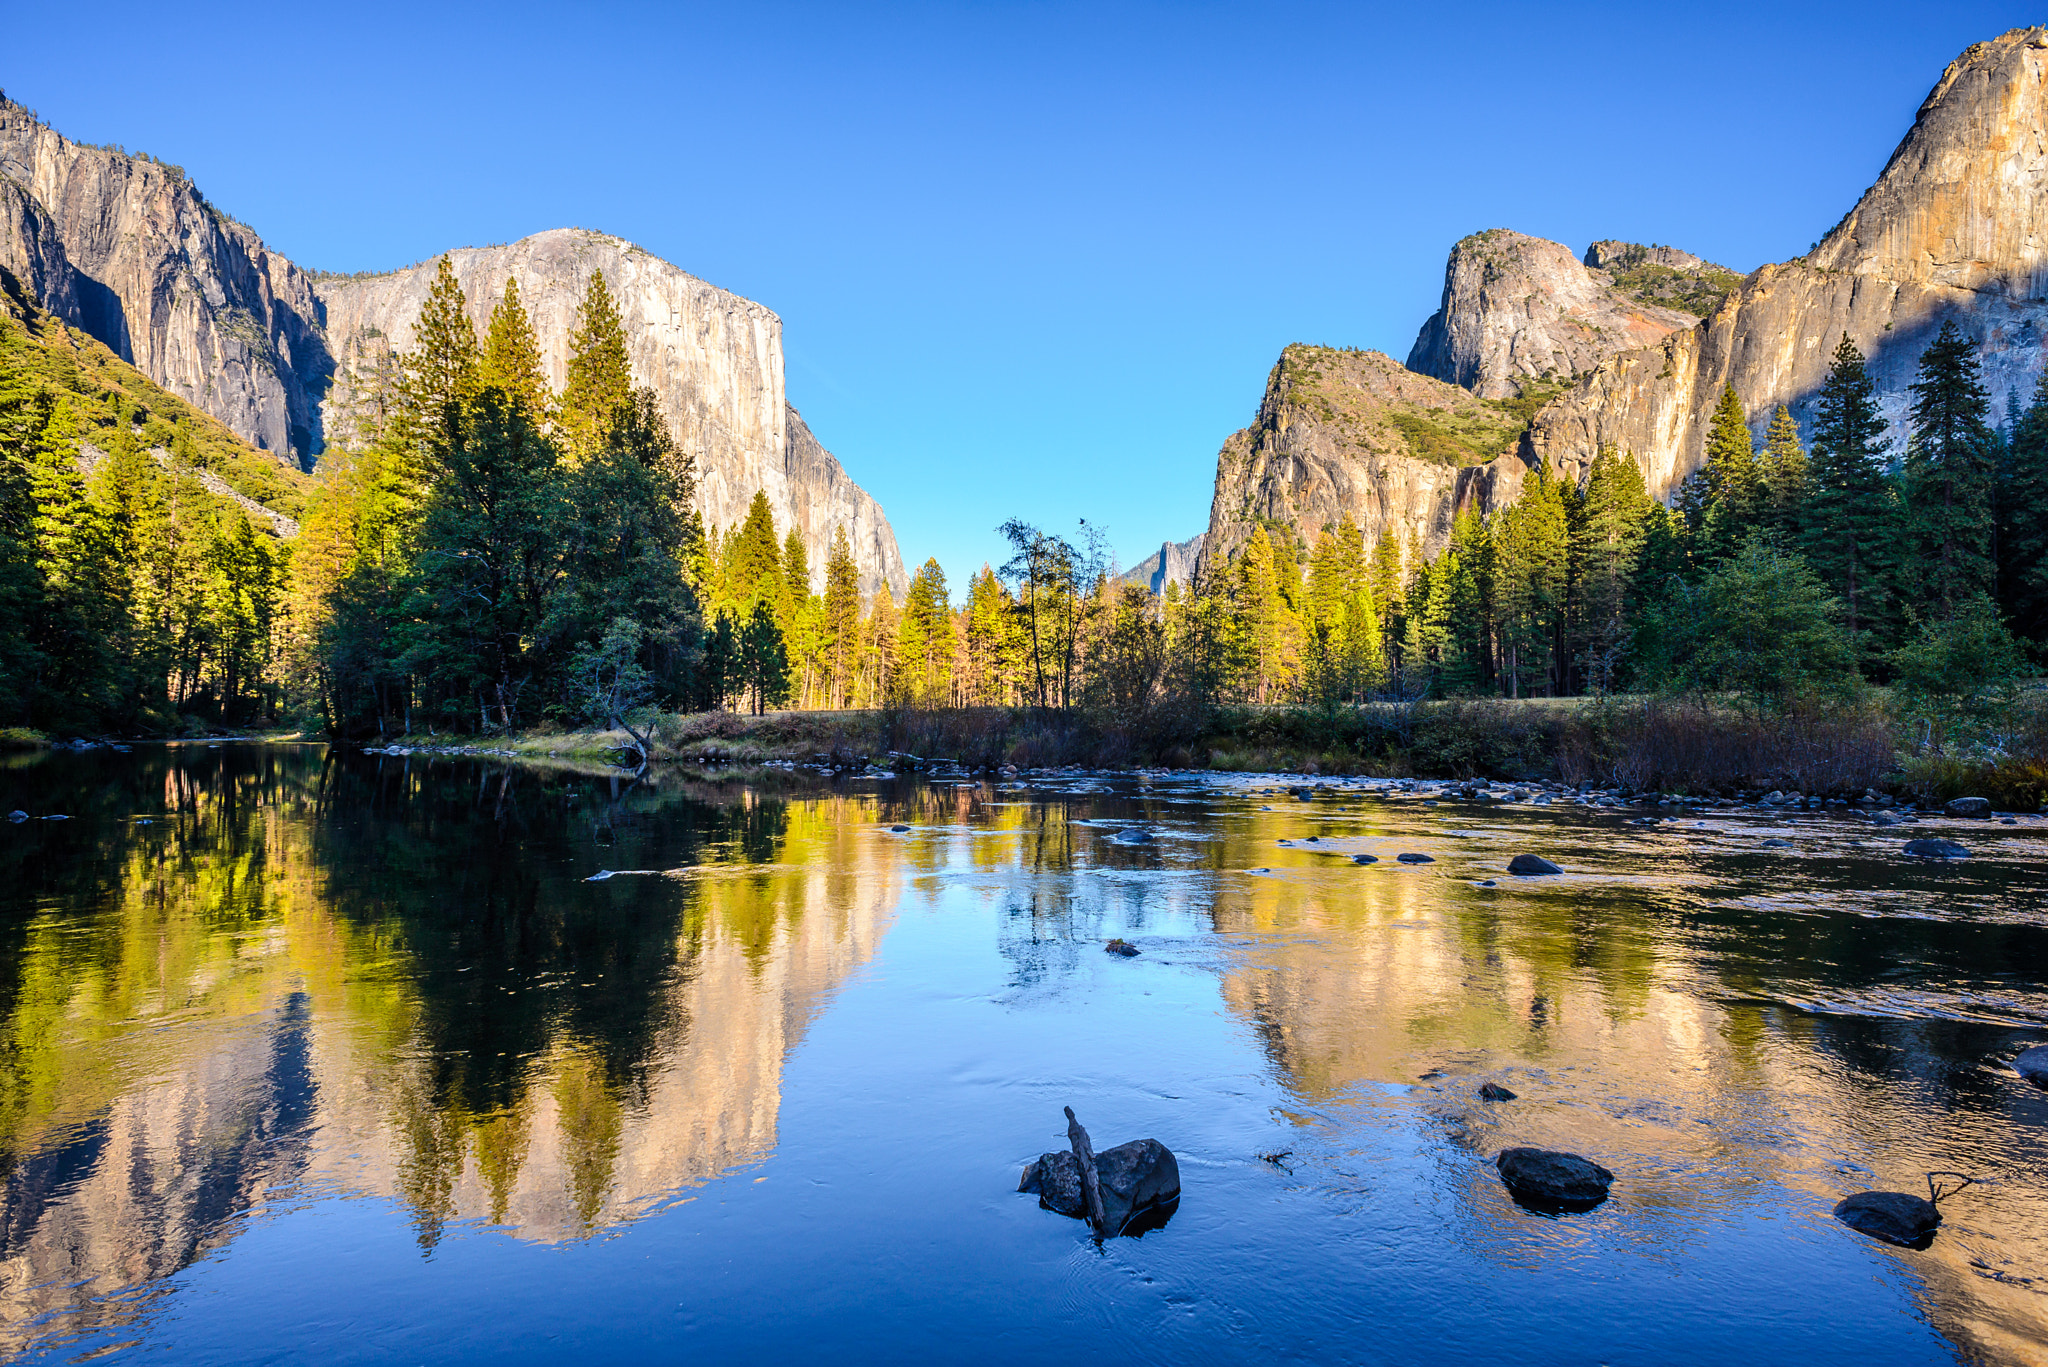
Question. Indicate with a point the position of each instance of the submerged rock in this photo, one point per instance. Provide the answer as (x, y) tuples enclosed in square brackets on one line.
[(17, 816), (1893, 1216), (2032, 1065), (1969, 806), (1545, 1179), (1415, 858), (1135, 835), (1774, 844), (1885, 819), (1365, 859), (1123, 947), (1493, 1091), (1531, 866), (1936, 848), (899, 829)]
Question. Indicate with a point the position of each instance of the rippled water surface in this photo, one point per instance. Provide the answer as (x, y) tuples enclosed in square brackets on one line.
[(311, 1057)]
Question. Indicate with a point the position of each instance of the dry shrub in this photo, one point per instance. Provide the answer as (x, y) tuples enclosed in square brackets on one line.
[(1686, 746)]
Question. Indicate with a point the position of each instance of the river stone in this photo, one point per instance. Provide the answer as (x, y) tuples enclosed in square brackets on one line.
[(1365, 859), (1531, 865), (1969, 806), (1056, 1177), (1136, 1177), (1493, 1091), (1415, 859), (1135, 836), (2033, 1065), (17, 817), (1548, 1180), (1936, 848), (1885, 819), (1893, 1216)]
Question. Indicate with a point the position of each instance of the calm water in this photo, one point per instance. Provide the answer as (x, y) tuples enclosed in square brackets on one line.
[(340, 1059)]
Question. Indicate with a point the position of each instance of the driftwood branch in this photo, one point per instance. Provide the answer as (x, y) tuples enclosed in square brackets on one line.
[(1091, 1181)]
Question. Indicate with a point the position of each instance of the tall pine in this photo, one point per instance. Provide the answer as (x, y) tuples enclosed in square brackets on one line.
[(1950, 459), (600, 380), (1847, 526)]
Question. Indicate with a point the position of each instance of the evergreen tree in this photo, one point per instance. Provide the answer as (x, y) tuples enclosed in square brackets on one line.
[(924, 638), (763, 659), (2023, 576), (1784, 473), (1735, 488), (1950, 459), (600, 377), (842, 618), (1531, 582), (1270, 627), (445, 364), (1606, 530), (1846, 527), (753, 560), (511, 358)]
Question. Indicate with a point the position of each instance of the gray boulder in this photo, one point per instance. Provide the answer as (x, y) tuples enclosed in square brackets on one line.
[(1545, 1179), (1892, 1216), (1138, 1179), (2033, 1065), (1969, 806), (1936, 848), (1415, 859), (1531, 865)]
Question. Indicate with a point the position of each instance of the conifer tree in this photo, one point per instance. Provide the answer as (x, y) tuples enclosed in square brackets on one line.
[(753, 559), (842, 618), (445, 364), (1607, 528), (1271, 629), (1846, 527), (878, 667), (1947, 480), (511, 358), (600, 376), (1389, 580), (924, 638), (1531, 583), (1735, 492), (2023, 577), (1784, 471)]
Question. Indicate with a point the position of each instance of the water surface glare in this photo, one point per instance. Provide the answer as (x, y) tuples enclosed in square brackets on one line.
[(325, 1057)]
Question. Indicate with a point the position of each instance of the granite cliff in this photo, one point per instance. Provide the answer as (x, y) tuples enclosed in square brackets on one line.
[(714, 358), (127, 249), (1356, 434), (1955, 227), (1631, 345), (1173, 563)]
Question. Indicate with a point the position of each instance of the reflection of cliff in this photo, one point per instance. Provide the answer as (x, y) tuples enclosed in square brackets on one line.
[(234, 1001)]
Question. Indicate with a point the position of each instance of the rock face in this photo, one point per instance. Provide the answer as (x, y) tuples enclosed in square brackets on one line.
[(1355, 434), (714, 358), (1517, 308), (1173, 563), (1955, 227), (127, 249)]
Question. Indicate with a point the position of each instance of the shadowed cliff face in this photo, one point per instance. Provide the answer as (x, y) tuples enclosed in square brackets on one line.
[(188, 296), (714, 358), (1954, 227), (1353, 434)]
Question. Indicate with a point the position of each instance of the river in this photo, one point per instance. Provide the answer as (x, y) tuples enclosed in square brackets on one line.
[(312, 1056)]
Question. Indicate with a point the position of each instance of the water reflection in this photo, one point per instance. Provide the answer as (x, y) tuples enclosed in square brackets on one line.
[(235, 972), (245, 977)]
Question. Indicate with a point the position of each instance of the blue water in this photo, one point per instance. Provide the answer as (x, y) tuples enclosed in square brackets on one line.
[(341, 1059)]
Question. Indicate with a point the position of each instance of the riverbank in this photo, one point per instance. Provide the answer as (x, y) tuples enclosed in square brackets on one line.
[(1625, 745)]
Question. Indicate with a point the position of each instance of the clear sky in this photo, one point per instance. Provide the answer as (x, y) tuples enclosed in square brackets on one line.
[(1032, 259)]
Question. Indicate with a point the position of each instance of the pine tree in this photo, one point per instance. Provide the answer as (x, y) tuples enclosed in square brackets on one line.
[(1388, 577), (2023, 578), (753, 560), (445, 363), (1606, 529), (924, 638), (511, 358), (1846, 526), (1271, 629), (1531, 580), (1947, 480), (1735, 492), (1784, 472), (842, 618), (600, 376)]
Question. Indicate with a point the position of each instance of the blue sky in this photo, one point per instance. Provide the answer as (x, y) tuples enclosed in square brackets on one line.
[(1032, 259)]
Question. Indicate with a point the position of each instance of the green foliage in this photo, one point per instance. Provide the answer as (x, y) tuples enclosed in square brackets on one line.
[(1698, 291), (1959, 675), (1950, 462), (1761, 625)]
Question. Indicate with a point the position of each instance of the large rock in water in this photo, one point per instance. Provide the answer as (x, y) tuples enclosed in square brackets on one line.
[(1936, 848), (1548, 1180), (2032, 1064), (1138, 1179), (1968, 806), (1531, 866), (1892, 1216)]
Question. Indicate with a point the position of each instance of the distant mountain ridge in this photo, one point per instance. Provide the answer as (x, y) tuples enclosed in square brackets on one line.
[(127, 249)]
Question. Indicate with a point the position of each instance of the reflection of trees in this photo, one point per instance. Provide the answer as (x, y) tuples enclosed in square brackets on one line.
[(409, 955)]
